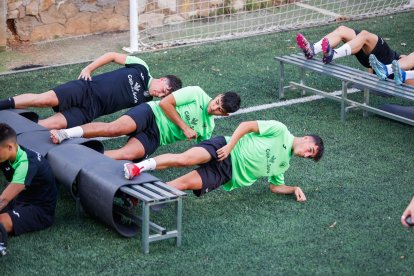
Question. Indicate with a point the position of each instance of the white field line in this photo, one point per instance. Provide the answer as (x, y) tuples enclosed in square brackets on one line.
[(265, 106), (322, 11)]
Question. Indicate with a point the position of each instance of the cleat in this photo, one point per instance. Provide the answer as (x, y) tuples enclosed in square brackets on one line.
[(58, 136), (379, 68), (306, 47), (328, 52), (3, 240), (131, 170), (399, 74)]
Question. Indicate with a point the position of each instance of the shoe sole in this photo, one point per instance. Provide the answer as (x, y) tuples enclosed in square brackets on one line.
[(326, 51), (304, 45), (126, 172), (377, 67)]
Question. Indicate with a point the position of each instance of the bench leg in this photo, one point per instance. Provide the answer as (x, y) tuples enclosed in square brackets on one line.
[(366, 101), (344, 99), (145, 227), (302, 80), (281, 80), (179, 214)]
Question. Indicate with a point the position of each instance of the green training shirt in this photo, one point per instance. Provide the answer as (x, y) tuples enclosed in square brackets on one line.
[(191, 104), (130, 60), (266, 153)]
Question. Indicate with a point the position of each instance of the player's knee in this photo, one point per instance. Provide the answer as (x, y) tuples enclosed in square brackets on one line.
[(364, 33), (342, 29)]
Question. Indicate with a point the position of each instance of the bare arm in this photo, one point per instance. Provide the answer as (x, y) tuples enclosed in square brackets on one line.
[(287, 190), (11, 191), (239, 132), (101, 61), (168, 105)]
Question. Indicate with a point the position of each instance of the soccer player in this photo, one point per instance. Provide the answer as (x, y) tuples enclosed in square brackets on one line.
[(358, 43), (185, 114), (29, 200), (402, 69), (81, 101), (256, 149), (409, 212)]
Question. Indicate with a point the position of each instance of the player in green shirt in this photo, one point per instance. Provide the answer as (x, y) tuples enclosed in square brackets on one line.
[(256, 149), (28, 202), (186, 114)]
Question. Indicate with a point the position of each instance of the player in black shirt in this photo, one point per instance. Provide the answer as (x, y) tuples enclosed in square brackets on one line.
[(81, 101), (28, 202)]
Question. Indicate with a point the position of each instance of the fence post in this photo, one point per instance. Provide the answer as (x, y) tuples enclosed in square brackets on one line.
[(133, 27)]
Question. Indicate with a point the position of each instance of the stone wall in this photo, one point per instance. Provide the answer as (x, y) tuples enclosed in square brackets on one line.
[(38, 20)]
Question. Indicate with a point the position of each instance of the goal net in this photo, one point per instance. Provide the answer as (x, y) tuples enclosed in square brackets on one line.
[(165, 23)]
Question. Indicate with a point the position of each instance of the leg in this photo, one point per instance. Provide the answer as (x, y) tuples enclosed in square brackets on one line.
[(189, 181), (132, 150), (6, 220), (47, 99), (341, 34), (365, 41), (407, 63), (191, 157), (121, 126), (57, 121)]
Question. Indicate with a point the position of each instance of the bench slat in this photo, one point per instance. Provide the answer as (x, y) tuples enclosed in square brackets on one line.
[(169, 188), (147, 192), (159, 191)]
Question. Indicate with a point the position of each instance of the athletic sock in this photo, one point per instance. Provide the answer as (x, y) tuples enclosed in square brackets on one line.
[(147, 165), (343, 51), (7, 104), (317, 47), (409, 75), (74, 132), (389, 69)]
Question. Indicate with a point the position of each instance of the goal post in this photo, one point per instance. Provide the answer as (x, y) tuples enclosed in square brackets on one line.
[(156, 24)]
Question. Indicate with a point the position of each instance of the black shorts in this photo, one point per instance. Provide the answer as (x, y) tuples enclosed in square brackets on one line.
[(28, 217), (147, 131), (77, 103), (214, 173), (382, 51)]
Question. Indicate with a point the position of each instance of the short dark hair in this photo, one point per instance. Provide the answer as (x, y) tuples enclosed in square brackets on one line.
[(7, 133), (230, 102), (319, 143), (174, 82)]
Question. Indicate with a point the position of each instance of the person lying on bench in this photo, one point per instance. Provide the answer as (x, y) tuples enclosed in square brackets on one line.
[(28, 202), (401, 69), (256, 149), (358, 43), (81, 101), (185, 114)]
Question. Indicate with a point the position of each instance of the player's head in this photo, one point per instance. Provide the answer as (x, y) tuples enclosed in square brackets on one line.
[(164, 86), (309, 146), (8, 139), (224, 104)]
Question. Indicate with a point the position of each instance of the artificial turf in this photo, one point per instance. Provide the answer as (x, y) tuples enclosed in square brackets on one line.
[(356, 193)]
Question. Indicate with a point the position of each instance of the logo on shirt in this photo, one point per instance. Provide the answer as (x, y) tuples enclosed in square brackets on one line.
[(17, 214), (269, 161), (133, 87), (7, 169), (283, 164), (284, 146), (142, 76)]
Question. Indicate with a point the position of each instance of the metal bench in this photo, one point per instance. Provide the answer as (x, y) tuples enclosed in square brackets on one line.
[(348, 76), (150, 195)]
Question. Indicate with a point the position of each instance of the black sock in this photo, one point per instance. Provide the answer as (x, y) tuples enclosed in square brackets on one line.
[(7, 104)]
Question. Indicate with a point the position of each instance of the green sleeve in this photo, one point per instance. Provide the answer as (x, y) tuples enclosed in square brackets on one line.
[(270, 128), (20, 173), (135, 60), (187, 95), (277, 179)]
